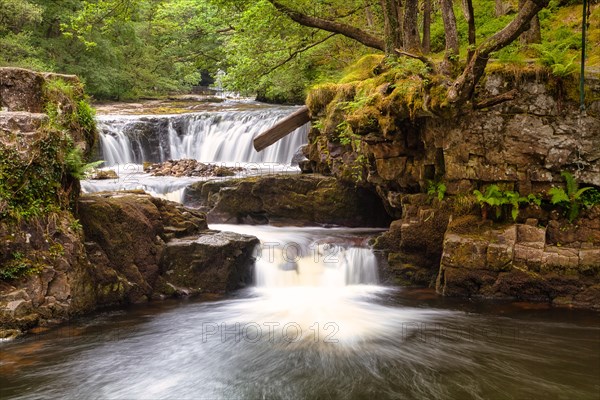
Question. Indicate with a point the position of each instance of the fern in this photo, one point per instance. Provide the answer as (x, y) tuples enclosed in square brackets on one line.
[(75, 166), (571, 199)]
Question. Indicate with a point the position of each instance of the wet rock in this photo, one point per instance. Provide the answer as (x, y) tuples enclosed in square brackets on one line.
[(215, 262), (104, 175), (294, 199), (188, 167)]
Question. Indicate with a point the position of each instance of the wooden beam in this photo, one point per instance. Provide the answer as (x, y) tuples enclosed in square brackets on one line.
[(282, 129)]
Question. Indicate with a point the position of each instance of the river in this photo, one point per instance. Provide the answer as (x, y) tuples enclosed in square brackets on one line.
[(317, 324)]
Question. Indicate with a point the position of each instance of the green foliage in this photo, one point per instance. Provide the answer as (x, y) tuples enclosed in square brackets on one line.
[(131, 48), (75, 226), (572, 198), (436, 189), (501, 201), (17, 266), (17, 17), (556, 58), (76, 167), (30, 184), (591, 197)]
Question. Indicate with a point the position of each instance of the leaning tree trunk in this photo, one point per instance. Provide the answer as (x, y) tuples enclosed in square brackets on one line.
[(412, 43), (392, 28), (463, 87), (426, 43), (451, 55)]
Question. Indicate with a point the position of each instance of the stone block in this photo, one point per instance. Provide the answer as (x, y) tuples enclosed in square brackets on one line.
[(464, 252), (531, 236)]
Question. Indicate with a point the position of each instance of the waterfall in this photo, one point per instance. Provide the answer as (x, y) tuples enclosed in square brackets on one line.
[(308, 257), (221, 136)]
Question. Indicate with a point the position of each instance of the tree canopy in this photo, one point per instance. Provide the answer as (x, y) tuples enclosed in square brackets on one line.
[(273, 48)]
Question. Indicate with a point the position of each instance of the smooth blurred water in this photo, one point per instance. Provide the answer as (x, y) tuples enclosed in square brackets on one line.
[(320, 329), (221, 136), (208, 136)]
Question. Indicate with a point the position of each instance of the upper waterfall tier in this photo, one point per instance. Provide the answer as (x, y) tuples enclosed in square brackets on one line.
[(220, 136)]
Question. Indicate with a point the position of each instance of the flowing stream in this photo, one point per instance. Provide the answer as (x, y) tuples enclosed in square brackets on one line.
[(222, 135), (316, 325)]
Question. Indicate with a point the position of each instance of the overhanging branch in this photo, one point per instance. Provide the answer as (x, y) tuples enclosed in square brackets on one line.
[(296, 52), (330, 26)]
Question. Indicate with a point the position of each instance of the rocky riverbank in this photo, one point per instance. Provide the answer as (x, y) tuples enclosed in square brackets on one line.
[(63, 255), (129, 248), (402, 140)]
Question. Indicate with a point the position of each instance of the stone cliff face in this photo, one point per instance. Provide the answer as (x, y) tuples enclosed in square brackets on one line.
[(398, 136), (525, 143)]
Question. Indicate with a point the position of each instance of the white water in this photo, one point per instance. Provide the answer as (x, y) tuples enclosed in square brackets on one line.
[(219, 136), (320, 283)]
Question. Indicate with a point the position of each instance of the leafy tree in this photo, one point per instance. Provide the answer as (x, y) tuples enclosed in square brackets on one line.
[(17, 17)]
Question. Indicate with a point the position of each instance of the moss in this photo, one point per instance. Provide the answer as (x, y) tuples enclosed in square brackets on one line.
[(35, 179), (363, 69)]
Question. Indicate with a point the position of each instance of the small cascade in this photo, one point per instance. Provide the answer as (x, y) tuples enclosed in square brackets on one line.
[(309, 257), (221, 136)]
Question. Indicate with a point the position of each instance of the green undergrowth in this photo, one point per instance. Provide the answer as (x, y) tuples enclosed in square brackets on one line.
[(39, 175)]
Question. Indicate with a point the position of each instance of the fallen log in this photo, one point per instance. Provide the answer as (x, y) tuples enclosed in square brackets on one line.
[(282, 129)]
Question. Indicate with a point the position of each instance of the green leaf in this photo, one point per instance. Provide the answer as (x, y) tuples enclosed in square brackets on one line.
[(558, 195)]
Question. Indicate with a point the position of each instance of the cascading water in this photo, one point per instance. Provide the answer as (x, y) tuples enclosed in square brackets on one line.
[(222, 136), (316, 277), (219, 136), (315, 325)]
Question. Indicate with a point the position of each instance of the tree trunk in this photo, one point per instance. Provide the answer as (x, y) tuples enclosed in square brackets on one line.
[(533, 34), (426, 26), (451, 32), (499, 8), (463, 87), (392, 29), (467, 6), (412, 41), (368, 14)]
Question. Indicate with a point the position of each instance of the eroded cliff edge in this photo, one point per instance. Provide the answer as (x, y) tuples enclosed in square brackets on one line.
[(391, 129)]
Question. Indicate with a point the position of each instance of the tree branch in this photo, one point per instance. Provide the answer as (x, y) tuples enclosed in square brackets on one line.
[(501, 98), (296, 52), (420, 57), (330, 26), (464, 86)]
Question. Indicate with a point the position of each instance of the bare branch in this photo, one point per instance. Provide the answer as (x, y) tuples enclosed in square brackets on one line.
[(330, 26), (501, 98), (420, 57), (296, 52)]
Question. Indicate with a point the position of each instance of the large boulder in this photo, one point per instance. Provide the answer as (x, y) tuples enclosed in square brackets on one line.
[(215, 262), (126, 247), (295, 199), (160, 248)]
